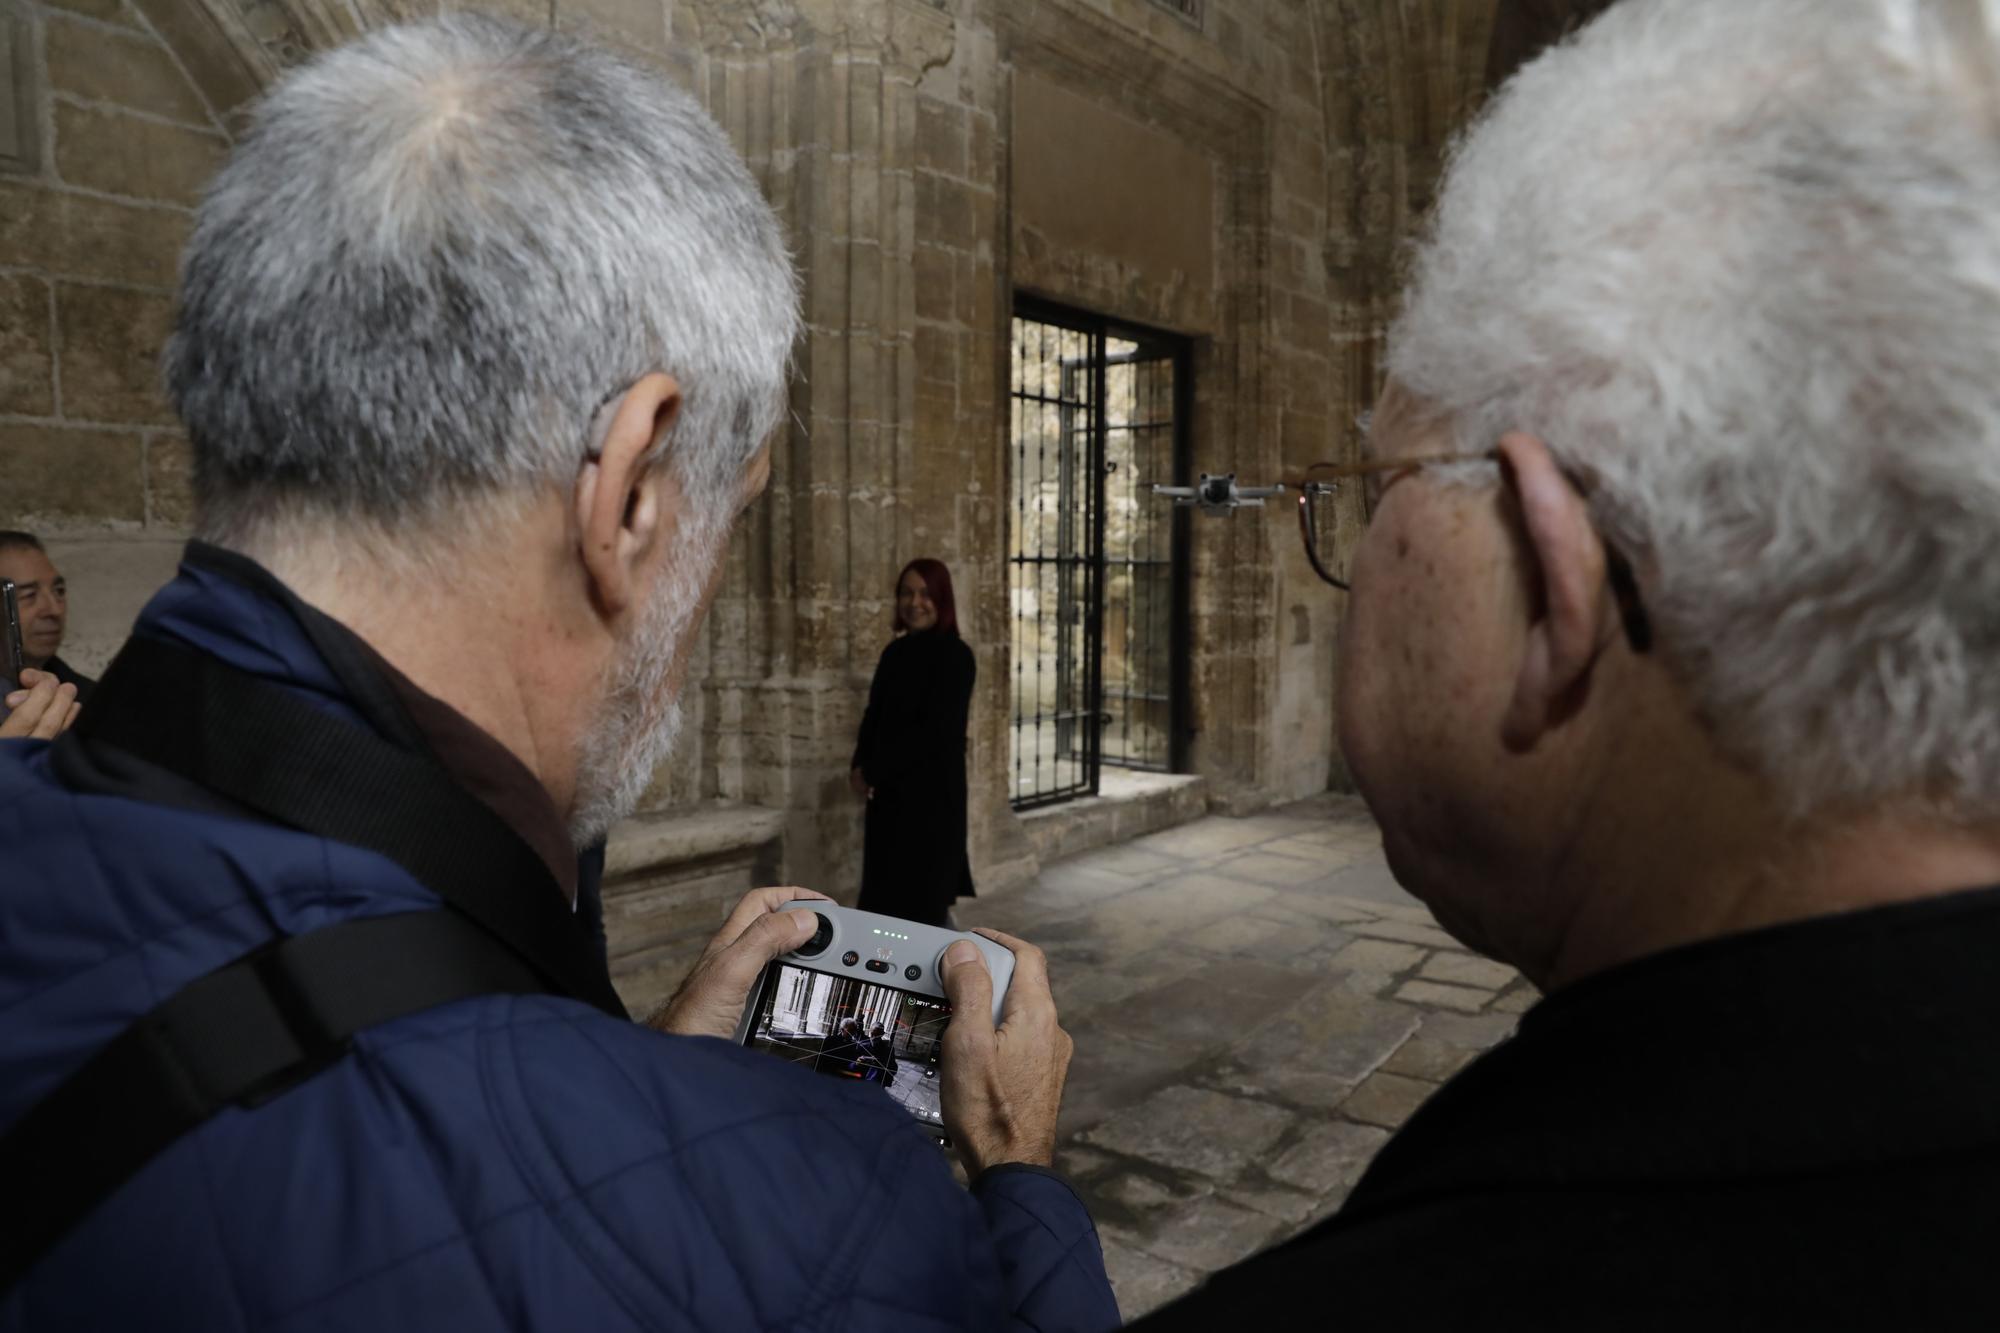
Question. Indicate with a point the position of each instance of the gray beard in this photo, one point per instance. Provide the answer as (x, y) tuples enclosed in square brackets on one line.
[(640, 722)]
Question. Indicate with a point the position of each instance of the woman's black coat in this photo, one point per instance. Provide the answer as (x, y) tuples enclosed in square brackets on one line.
[(912, 752)]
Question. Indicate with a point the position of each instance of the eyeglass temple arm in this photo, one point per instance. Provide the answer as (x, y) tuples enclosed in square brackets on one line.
[(1312, 546)]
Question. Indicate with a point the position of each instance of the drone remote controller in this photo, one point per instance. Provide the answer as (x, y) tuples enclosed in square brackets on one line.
[(864, 1000), (884, 951)]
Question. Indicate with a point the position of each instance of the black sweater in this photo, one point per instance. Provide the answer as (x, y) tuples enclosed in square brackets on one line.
[(1796, 1127)]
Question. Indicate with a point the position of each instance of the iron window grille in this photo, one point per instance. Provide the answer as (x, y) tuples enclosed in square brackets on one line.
[(1097, 564)]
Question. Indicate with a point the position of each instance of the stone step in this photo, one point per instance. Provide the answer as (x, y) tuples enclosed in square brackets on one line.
[(1128, 804)]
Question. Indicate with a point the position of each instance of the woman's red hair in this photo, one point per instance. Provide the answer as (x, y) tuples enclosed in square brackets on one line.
[(937, 582)]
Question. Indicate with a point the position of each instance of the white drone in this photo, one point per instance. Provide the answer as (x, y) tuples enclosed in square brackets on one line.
[(1218, 495)]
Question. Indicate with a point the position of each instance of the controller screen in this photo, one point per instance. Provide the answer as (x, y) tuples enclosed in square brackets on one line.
[(851, 1029)]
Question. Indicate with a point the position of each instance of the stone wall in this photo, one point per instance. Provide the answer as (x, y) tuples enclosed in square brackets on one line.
[(1246, 183), (110, 145)]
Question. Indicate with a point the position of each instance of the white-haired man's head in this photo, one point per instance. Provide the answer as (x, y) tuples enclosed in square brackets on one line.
[(1735, 268), (451, 270), (1739, 265)]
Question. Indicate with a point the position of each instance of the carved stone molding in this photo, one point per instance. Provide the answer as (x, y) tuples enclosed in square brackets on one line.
[(750, 24), (907, 35), (920, 35)]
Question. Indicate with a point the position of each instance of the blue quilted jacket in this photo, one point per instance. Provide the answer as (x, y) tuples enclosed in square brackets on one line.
[(504, 1162)]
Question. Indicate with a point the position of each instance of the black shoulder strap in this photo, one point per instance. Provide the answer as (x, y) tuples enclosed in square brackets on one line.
[(265, 1022), (237, 1036), (271, 751)]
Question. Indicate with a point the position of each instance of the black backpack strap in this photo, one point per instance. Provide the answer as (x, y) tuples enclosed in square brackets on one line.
[(271, 751), (237, 1036), (263, 1023)]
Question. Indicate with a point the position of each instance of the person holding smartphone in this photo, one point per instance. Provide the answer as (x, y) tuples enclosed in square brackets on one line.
[(42, 709), (35, 703), (41, 596)]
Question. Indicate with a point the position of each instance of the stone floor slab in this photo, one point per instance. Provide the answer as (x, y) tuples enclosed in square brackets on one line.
[(1211, 1234), (1131, 861), (1368, 878), (1081, 992), (1321, 907), (1386, 1099), (1330, 854), (1204, 838), (1462, 998), (1429, 1059), (1194, 1129), (1474, 1031), (1207, 1011), (1235, 935), (1414, 912), (1259, 867), (1328, 1157), (1430, 937), (1463, 969), (1112, 1072), (1389, 957), (1283, 1204), (1142, 1283), (1311, 1055), (1138, 1201), (1240, 1050)]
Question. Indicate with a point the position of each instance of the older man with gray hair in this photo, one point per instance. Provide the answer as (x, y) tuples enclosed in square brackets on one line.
[(482, 335), (1672, 671)]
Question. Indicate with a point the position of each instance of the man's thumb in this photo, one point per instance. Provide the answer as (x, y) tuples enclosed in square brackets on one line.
[(769, 935), (788, 930), (968, 985)]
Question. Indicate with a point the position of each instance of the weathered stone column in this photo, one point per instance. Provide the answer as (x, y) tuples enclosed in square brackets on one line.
[(820, 97)]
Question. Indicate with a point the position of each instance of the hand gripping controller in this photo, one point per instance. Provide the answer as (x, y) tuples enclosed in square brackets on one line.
[(884, 951)]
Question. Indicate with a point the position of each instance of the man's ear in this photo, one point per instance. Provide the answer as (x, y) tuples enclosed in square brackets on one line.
[(626, 502), (1570, 604)]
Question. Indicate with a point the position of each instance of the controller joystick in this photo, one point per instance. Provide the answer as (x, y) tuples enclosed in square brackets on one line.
[(821, 937)]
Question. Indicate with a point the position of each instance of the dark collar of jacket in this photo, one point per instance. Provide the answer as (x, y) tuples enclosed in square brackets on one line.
[(69, 675), (1832, 1044), (228, 605)]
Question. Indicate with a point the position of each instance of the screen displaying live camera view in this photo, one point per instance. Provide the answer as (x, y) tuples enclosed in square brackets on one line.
[(850, 1029)]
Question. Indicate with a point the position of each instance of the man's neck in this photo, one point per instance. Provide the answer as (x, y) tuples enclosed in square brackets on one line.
[(475, 647), (1745, 869)]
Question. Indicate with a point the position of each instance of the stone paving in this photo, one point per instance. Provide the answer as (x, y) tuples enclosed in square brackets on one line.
[(1256, 1004)]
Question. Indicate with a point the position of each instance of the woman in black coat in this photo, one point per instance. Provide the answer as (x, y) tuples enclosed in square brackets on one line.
[(910, 762)]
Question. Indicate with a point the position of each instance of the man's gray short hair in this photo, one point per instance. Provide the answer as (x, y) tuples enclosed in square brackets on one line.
[(438, 252), (1738, 262)]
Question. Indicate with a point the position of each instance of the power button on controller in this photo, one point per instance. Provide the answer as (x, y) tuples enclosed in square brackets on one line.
[(913, 971)]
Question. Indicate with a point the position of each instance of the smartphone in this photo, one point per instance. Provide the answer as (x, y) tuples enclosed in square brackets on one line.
[(862, 1031), (17, 654)]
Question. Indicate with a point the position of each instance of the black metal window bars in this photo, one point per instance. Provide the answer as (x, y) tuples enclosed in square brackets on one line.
[(1098, 588)]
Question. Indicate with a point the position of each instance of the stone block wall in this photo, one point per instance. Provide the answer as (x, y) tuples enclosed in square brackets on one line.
[(1246, 183), (112, 144)]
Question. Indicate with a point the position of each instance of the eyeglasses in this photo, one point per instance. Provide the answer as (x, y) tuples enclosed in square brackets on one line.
[(1320, 491)]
